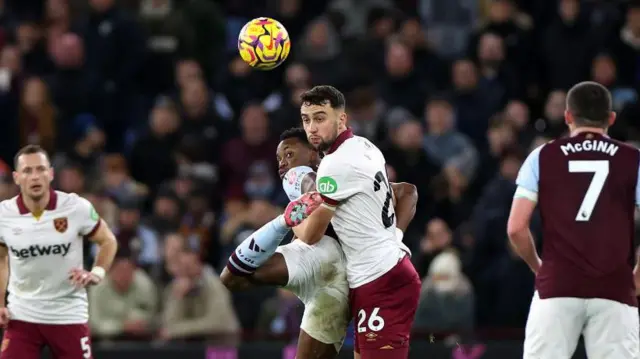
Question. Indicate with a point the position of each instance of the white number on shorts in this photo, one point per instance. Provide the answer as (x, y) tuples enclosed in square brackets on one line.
[(600, 170), (86, 348), (375, 322)]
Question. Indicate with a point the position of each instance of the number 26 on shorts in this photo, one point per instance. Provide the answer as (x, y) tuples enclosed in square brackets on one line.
[(374, 322)]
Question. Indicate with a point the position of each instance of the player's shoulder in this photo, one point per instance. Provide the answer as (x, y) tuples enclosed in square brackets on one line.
[(69, 200), (9, 207)]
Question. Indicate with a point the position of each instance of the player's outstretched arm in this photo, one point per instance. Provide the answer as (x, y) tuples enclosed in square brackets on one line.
[(406, 198)]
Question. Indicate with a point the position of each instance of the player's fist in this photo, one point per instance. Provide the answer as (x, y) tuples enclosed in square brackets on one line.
[(4, 317), (82, 278), (299, 209)]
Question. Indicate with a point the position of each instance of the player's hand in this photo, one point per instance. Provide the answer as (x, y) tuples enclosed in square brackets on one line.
[(4, 317), (299, 209), (82, 278)]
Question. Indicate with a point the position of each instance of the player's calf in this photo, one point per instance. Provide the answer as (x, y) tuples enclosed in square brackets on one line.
[(257, 248), (253, 261)]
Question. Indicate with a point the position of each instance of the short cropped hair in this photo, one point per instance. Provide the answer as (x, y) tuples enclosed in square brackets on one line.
[(295, 132), (320, 95), (590, 104), (28, 150)]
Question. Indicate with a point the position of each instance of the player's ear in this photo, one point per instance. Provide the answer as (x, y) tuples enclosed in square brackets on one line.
[(612, 118), (343, 119), (51, 174), (568, 117), (15, 177)]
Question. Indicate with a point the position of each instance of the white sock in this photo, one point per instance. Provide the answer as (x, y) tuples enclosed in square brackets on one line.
[(257, 248)]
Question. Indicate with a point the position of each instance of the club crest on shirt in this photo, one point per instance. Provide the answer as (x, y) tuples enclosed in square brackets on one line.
[(61, 224)]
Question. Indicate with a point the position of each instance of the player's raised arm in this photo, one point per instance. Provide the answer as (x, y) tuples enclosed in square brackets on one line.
[(97, 231), (524, 202), (406, 199)]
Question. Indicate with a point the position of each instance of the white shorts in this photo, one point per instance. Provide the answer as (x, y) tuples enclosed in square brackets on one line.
[(318, 276), (610, 328)]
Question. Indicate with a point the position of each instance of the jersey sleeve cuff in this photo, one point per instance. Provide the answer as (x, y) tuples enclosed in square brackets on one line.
[(522, 192), (93, 230), (329, 201)]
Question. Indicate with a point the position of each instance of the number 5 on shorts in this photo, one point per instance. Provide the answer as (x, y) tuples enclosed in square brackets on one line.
[(86, 348), (375, 322)]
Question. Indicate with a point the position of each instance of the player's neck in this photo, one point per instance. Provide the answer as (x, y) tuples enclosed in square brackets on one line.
[(39, 205), (579, 130)]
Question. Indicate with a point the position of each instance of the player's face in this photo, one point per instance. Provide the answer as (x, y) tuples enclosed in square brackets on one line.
[(322, 124), (293, 153), (33, 175)]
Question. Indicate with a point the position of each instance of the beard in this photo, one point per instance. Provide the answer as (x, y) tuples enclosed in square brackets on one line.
[(325, 145)]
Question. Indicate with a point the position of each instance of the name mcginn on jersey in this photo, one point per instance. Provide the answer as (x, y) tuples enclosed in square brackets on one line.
[(590, 145), (37, 250)]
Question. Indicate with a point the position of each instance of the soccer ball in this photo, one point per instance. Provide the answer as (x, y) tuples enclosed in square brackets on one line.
[(264, 43)]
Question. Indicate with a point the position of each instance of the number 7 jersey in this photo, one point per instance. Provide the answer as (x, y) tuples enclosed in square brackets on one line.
[(586, 187), (352, 179)]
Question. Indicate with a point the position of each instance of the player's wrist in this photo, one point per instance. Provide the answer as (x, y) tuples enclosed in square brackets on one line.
[(99, 272)]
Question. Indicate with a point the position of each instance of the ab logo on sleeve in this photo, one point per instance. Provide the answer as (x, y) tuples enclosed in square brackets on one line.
[(327, 185), (94, 215)]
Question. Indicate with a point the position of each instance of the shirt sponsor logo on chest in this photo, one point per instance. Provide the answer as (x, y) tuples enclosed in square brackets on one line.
[(37, 250)]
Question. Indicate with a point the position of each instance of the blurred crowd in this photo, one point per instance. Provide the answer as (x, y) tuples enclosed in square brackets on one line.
[(148, 112)]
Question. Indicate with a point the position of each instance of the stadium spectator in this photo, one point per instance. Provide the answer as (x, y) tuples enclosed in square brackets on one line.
[(125, 305), (197, 305), (446, 301)]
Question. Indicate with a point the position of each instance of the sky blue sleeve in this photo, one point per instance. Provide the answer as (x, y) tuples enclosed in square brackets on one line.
[(638, 187), (530, 171)]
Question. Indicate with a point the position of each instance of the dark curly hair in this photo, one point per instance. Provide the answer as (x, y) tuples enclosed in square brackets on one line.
[(296, 132), (320, 95)]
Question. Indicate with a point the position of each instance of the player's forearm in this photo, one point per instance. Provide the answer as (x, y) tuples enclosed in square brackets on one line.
[(314, 226), (406, 200), (107, 247), (524, 246)]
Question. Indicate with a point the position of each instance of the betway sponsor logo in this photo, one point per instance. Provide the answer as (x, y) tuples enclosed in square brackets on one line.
[(37, 250)]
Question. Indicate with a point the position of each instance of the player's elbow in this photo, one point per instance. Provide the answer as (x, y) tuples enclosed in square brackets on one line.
[(515, 229), (410, 192)]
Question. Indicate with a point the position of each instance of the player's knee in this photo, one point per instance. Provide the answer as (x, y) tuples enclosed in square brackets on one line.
[(229, 280)]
